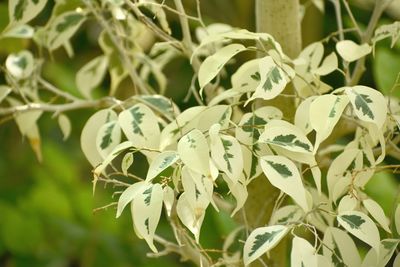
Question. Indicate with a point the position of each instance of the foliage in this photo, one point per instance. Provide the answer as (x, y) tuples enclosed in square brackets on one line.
[(321, 157)]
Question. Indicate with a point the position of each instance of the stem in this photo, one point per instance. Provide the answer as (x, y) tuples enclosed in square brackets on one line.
[(359, 69), (338, 13), (59, 108)]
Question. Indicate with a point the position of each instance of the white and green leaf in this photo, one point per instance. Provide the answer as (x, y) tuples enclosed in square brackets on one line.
[(146, 212), (22, 11), (303, 253), (161, 162), (89, 134), (23, 31), (361, 226), (194, 152), (376, 211), (325, 111), (261, 240), (213, 64), (20, 65), (126, 162), (226, 153), (140, 126), (91, 75), (108, 137), (128, 195), (386, 249), (63, 27), (284, 175), (369, 105)]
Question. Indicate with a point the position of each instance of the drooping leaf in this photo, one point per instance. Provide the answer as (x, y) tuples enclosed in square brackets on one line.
[(194, 152), (350, 51), (361, 226), (160, 163), (340, 248), (262, 240), (386, 249), (161, 105), (89, 134), (369, 105), (247, 77), (226, 153), (303, 253), (189, 217), (128, 195), (385, 31), (91, 75), (126, 162), (213, 64), (140, 126), (283, 174), (302, 116), (146, 211), (375, 210), (325, 112), (65, 125)]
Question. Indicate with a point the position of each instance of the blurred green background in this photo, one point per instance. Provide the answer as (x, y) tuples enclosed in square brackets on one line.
[(46, 209)]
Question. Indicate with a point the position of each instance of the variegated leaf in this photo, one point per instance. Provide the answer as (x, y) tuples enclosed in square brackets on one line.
[(303, 253), (220, 114), (127, 161), (108, 137), (89, 134), (283, 174), (63, 27), (160, 163), (140, 126), (361, 226), (146, 211), (91, 75), (350, 51), (325, 112), (213, 64), (369, 105), (22, 11), (286, 215), (340, 249), (20, 65), (262, 240), (386, 249), (376, 211), (247, 77), (128, 195), (226, 153), (194, 152)]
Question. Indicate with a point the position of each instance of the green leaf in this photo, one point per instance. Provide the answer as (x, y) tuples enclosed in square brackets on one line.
[(262, 240)]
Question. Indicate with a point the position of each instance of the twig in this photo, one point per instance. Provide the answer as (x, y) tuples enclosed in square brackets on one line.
[(353, 20), (56, 90), (59, 108), (339, 21)]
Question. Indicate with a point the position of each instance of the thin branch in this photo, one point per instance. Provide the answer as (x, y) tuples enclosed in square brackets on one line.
[(339, 21), (121, 51), (59, 108), (353, 20), (56, 90)]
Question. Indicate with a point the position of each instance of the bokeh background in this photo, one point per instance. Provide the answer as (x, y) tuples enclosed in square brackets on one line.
[(46, 209)]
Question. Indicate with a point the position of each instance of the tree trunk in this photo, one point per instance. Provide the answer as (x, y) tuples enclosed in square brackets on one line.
[(281, 19)]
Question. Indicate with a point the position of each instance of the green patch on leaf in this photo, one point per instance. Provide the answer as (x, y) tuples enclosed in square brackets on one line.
[(137, 120), (290, 140), (332, 113), (337, 256), (227, 144), (281, 169), (287, 218), (262, 239), (273, 77), (250, 126), (354, 221), (362, 102), (20, 8), (146, 223), (256, 76), (147, 192), (69, 22), (107, 140)]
